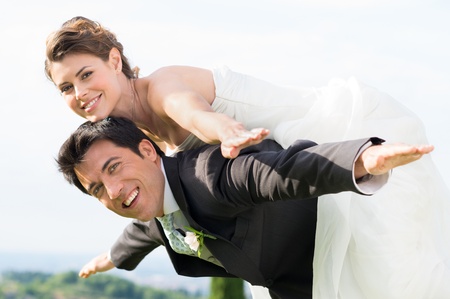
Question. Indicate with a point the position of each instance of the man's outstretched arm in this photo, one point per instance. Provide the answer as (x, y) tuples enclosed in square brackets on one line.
[(307, 170)]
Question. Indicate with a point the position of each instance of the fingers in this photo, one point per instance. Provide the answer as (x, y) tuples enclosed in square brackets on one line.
[(382, 158), (425, 149), (246, 137), (245, 140), (232, 146), (86, 272), (421, 149), (261, 132), (229, 152), (83, 274)]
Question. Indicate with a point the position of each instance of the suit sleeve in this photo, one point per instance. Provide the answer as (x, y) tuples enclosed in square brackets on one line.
[(136, 241), (302, 171)]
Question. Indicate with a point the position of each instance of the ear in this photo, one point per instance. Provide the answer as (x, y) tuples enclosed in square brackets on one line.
[(147, 150), (115, 59)]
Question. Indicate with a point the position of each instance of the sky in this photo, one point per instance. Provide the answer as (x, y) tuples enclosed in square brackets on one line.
[(401, 47)]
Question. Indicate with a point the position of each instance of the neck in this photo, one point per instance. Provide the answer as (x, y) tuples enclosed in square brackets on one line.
[(134, 99), (126, 104)]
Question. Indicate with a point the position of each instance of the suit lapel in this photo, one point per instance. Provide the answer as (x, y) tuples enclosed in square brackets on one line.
[(231, 257)]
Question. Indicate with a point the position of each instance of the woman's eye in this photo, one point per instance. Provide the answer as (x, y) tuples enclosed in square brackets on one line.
[(66, 88), (85, 75)]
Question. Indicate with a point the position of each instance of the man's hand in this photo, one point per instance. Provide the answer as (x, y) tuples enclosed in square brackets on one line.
[(380, 159), (99, 263)]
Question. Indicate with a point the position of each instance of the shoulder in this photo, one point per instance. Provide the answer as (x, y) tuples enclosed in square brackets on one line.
[(176, 78), (178, 71), (137, 227), (181, 82), (210, 156), (181, 76)]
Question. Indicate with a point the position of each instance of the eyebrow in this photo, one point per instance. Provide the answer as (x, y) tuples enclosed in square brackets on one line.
[(105, 165), (76, 75), (82, 69)]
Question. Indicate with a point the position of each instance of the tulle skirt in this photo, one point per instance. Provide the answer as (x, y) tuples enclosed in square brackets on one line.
[(394, 244)]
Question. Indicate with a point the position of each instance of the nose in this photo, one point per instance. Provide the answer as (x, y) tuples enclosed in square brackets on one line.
[(114, 190), (80, 93)]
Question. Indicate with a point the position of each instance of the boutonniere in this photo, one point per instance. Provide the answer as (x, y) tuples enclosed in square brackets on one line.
[(194, 239)]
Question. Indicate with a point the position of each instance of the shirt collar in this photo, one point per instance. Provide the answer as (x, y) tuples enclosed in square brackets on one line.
[(170, 204)]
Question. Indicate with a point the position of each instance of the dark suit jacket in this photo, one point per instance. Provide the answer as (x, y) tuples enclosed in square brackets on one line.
[(261, 206)]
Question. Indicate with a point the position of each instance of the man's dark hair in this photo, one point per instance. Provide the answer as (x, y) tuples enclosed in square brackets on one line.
[(120, 131)]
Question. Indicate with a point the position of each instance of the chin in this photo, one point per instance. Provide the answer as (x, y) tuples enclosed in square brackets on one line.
[(144, 219), (95, 118)]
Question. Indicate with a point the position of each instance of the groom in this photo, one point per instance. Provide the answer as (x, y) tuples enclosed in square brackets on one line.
[(256, 212)]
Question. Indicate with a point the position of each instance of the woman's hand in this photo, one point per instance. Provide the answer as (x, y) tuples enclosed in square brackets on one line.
[(232, 145)]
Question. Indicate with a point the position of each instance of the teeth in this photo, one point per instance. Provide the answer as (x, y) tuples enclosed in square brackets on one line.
[(131, 198), (91, 103)]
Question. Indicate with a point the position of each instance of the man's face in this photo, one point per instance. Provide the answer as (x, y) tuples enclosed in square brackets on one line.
[(127, 184)]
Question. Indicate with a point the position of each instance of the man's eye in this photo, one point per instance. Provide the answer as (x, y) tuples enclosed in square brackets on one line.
[(96, 190), (113, 167)]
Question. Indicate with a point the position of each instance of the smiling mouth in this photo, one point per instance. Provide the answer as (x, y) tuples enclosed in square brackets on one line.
[(91, 103), (131, 198)]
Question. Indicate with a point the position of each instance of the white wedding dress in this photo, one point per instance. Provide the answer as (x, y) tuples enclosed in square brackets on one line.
[(394, 244)]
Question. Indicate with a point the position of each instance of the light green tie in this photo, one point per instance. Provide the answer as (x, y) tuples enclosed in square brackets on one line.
[(176, 239)]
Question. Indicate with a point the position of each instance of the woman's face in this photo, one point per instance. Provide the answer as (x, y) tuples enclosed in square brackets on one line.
[(89, 85)]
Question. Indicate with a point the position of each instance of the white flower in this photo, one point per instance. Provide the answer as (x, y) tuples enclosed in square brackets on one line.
[(192, 241)]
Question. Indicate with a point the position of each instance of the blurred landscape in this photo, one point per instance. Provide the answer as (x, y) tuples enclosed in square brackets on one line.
[(67, 285), (155, 271)]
